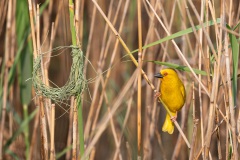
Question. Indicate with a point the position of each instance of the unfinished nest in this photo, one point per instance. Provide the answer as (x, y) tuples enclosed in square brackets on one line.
[(74, 86)]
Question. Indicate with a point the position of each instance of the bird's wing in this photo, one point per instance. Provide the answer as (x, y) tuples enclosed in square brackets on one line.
[(183, 91)]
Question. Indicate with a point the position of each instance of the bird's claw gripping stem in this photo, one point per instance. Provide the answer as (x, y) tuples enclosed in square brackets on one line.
[(173, 119), (157, 94)]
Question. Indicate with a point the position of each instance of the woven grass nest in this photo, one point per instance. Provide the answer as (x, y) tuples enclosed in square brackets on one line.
[(73, 87)]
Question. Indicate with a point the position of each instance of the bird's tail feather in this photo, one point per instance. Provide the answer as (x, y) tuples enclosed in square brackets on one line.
[(168, 125)]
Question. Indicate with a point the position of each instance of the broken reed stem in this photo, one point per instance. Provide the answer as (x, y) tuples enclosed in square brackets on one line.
[(52, 122), (139, 100)]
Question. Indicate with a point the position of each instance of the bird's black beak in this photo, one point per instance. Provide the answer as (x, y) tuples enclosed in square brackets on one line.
[(158, 75)]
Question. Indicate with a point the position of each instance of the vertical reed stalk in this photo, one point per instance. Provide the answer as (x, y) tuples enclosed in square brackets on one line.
[(149, 121), (211, 117), (41, 100), (200, 78), (76, 18), (26, 131), (75, 115), (227, 128), (52, 122), (194, 139), (34, 134), (74, 142), (6, 72), (44, 140), (11, 58), (30, 7), (139, 121), (77, 109), (47, 102), (229, 86), (80, 126), (195, 123), (70, 127), (79, 34)]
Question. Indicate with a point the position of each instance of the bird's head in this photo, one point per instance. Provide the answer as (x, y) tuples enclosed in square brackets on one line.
[(168, 73)]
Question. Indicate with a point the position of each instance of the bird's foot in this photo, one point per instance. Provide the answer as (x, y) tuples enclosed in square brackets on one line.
[(157, 94), (173, 119)]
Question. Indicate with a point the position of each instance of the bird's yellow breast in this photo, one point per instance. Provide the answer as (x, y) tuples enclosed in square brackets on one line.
[(172, 90)]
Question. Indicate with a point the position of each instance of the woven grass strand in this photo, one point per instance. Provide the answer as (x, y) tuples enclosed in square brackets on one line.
[(74, 86)]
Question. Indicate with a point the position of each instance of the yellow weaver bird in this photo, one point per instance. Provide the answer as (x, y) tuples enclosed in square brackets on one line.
[(172, 93)]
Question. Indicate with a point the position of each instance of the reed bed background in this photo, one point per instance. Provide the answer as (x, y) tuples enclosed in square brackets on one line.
[(124, 43)]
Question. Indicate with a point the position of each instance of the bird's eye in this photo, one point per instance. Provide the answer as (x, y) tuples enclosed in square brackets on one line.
[(165, 73)]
